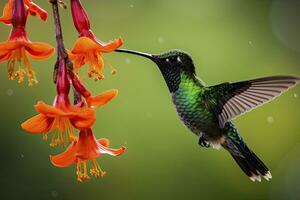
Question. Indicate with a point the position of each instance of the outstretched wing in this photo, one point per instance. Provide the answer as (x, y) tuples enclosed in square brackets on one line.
[(229, 100)]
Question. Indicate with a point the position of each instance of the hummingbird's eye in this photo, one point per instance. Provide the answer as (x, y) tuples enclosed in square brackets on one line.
[(174, 60), (178, 59)]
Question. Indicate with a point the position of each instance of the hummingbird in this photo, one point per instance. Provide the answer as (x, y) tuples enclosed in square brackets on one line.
[(208, 111)]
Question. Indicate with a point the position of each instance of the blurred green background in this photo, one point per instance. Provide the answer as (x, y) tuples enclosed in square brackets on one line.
[(230, 40)]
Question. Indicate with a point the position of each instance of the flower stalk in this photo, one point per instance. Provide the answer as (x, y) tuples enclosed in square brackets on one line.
[(61, 51)]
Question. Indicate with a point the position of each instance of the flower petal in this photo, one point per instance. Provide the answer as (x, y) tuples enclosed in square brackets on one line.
[(66, 158), (4, 56), (38, 124), (89, 148), (78, 59), (79, 117), (110, 46), (39, 50), (110, 151), (7, 13), (104, 142), (47, 110), (101, 99), (10, 45), (84, 45), (33, 9), (84, 118)]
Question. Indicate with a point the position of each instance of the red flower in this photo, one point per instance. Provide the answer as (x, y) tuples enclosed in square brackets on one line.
[(88, 49), (32, 8), (62, 117), (86, 148), (18, 48)]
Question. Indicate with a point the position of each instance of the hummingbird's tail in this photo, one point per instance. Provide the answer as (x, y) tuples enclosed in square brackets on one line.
[(251, 165)]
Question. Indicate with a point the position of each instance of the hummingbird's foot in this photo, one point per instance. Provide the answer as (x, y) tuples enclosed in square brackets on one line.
[(203, 142)]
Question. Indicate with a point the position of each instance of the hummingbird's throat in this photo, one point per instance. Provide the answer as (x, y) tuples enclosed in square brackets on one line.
[(172, 78)]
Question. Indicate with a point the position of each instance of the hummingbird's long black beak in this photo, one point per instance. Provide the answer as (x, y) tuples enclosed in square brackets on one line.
[(146, 55)]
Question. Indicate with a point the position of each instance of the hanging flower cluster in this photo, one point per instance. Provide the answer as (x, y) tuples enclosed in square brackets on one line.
[(63, 123)]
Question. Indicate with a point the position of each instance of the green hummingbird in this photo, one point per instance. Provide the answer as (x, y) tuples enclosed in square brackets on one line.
[(208, 110)]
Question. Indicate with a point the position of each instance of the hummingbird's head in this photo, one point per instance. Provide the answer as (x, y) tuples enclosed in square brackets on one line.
[(172, 65)]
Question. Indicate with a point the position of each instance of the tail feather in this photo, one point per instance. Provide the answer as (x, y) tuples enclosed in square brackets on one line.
[(251, 165)]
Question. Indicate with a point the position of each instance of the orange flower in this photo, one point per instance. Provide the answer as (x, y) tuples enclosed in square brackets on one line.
[(61, 120), (92, 101), (86, 148), (18, 48), (62, 117), (32, 8), (87, 48), (87, 51), (101, 99)]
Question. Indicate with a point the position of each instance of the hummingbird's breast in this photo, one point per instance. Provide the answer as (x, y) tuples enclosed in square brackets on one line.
[(191, 109)]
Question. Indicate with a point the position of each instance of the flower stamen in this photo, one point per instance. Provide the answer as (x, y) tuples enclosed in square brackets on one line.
[(29, 70), (96, 169), (20, 73), (11, 69), (81, 171), (95, 65), (45, 136), (16, 58), (61, 130), (113, 70)]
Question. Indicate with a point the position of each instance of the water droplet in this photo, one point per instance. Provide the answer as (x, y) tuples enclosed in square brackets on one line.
[(131, 5), (295, 95), (10, 92), (250, 43), (22, 156), (127, 60), (161, 40), (270, 119), (54, 194)]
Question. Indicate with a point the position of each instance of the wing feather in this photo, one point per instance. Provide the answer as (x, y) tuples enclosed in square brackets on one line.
[(235, 99)]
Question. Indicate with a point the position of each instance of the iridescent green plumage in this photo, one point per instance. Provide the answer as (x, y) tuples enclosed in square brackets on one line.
[(191, 108), (208, 111)]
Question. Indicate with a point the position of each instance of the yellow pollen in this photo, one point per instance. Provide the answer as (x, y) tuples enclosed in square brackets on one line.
[(17, 57), (95, 67), (11, 69), (113, 71), (81, 171), (96, 169), (62, 130), (45, 136)]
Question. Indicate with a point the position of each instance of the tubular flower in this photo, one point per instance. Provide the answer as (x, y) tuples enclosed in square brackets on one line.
[(92, 101), (32, 8), (61, 118), (18, 48), (87, 48), (86, 148)]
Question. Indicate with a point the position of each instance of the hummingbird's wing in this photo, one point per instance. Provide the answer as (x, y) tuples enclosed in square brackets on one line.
[(229, 100)]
